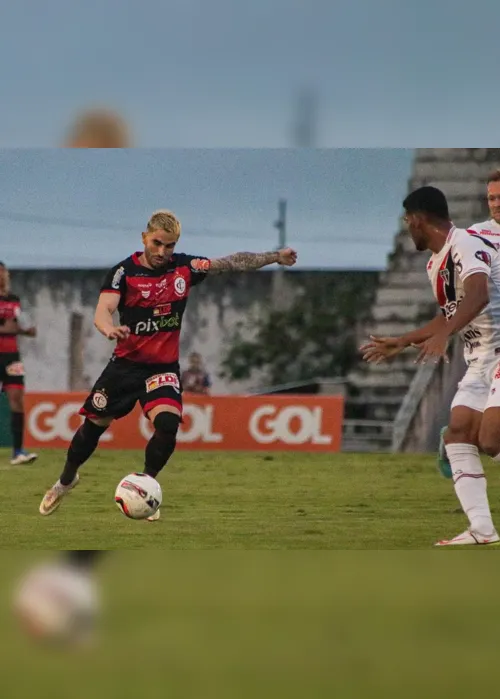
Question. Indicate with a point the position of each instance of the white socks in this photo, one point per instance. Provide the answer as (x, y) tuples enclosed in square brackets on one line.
[(470, 486)]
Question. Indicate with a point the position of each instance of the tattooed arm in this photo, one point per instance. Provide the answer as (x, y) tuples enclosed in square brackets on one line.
[(244, 261)]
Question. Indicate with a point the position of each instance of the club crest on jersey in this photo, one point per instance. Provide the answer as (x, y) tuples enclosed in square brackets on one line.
[(180, 286), (483, 256), (445, 275), (145, 294)]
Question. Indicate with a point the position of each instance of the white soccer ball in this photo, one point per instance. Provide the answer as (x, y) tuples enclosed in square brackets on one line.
[(57, 603), (138, 496)]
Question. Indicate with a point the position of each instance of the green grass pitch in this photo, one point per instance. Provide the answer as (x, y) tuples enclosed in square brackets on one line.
[(240, 501)]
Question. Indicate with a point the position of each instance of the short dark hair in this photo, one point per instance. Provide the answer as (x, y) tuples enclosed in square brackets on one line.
[(494, 176), (427, 200)]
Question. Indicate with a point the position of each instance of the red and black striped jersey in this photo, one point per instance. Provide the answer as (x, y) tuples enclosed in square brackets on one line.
[(152, 304), (10, 308)]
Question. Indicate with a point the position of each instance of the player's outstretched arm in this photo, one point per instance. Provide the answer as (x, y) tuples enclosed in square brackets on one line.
[(416, 337), (380, 348), (246, 261)]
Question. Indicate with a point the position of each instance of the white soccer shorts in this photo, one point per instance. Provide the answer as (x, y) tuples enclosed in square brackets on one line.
[(480, 387)]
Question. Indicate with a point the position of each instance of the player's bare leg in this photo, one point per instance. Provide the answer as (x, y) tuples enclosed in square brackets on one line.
[(82, 446), (443, 461), (462, 440), (15, 397), (161, 446), (489, 434)]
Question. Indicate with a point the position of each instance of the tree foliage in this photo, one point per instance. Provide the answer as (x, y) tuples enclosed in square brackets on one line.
[(315, 337)]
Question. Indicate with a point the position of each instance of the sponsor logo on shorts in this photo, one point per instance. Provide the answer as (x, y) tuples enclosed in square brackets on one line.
[(180, 286), (99, 400), (472, 339), (200, 265), (162, 380), (15, 369), (163, 323), (115, 284)]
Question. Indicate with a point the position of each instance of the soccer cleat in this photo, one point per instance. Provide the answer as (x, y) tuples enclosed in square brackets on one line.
[(443, 462), (154, 517), (53, 496), (23, 458), (470, 538)]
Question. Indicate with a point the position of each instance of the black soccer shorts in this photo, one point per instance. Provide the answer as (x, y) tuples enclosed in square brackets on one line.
[(123, 383), (11, 370)]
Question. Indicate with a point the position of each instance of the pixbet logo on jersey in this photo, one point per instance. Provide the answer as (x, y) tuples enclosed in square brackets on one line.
[(144, 327)]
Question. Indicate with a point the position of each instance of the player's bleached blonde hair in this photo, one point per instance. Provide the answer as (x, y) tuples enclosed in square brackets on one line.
[(99, 128), (164, 220)]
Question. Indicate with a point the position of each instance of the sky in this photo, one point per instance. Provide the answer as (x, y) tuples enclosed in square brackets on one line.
[(87, 208), (225, 73)]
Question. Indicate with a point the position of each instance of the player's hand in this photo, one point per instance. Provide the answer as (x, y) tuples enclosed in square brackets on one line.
[(287, 257), (9, 325), (120, 333), (433, 349), (30, 332), (380, 348)]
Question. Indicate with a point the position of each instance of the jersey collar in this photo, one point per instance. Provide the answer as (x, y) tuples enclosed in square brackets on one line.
[(450, 234)]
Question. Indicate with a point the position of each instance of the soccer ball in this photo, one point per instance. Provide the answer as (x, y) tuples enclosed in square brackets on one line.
[(138, 496), (57, 603)]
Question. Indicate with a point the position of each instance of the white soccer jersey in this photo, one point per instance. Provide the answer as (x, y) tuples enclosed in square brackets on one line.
[(488, 229), (466, 253)]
